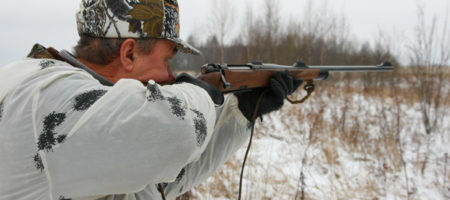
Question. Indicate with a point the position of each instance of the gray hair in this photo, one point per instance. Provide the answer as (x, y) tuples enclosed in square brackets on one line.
[(103, 51)]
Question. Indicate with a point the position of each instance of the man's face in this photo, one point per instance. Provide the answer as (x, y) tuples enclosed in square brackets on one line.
[(155, 66)]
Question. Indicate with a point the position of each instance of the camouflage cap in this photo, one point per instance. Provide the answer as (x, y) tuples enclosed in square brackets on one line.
[(132, 19)]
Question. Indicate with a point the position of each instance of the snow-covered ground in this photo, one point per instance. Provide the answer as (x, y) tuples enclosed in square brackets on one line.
[(338, 146)]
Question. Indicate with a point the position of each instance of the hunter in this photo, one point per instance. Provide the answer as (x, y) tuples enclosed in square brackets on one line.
[(110, 120)]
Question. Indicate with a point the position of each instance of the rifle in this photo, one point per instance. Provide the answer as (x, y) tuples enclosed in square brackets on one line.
[(232, 78)]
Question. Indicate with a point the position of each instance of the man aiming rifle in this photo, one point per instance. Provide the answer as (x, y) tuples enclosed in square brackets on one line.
[(111, 121)]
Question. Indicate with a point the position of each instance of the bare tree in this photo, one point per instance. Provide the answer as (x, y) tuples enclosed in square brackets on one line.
[(321, 32), (222, 18), (249, 30), (272, 28), (429, 55)]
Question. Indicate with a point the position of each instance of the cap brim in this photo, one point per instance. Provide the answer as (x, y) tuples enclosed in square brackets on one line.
[(184, 46)]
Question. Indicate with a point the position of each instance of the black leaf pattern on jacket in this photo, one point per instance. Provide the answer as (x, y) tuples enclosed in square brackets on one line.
[(200, 127), (176, 107), (46, 63), (47, 139), (87, 99), (38, 162), (154, 93)]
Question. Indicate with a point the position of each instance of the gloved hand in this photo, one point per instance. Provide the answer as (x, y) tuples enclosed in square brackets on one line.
[(215, 94), (281, 85)]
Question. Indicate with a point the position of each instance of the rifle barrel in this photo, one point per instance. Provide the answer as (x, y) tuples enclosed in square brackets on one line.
[(354, 68)]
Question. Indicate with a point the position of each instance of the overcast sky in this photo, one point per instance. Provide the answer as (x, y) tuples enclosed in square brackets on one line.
[(52, 22)]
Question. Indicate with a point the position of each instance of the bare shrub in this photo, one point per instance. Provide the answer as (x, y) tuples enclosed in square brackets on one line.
[(429, 55)]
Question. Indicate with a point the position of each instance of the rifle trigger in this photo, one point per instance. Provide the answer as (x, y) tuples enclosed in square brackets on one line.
[(226, 84)]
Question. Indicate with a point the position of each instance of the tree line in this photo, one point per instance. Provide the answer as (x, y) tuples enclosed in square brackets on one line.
[(316, 40)]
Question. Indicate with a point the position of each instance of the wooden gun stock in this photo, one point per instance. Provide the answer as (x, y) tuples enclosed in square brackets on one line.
[(232, 78)]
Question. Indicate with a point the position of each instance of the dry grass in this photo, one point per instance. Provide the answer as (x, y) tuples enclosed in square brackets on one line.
[(216, 186), (337, 119)]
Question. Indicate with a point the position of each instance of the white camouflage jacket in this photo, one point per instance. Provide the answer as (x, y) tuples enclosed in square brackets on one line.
[(63, 135)]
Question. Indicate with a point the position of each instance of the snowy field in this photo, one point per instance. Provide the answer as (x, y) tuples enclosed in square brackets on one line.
[(344, 143)]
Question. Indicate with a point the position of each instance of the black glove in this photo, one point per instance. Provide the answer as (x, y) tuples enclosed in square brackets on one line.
[(215, 94), (281, 85)]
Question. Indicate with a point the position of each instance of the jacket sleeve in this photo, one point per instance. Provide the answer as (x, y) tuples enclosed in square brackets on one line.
[(94, 140), (231, 131)]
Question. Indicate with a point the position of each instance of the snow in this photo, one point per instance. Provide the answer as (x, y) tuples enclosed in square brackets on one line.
[(347, 147)]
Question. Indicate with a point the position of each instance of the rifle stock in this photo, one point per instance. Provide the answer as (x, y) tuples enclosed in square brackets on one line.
[(232, 78), (248, 79)]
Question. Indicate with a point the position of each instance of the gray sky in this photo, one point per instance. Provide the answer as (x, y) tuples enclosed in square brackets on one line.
[(52, 22)]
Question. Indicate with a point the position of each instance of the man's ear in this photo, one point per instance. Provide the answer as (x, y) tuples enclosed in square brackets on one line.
[(127, 52)]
